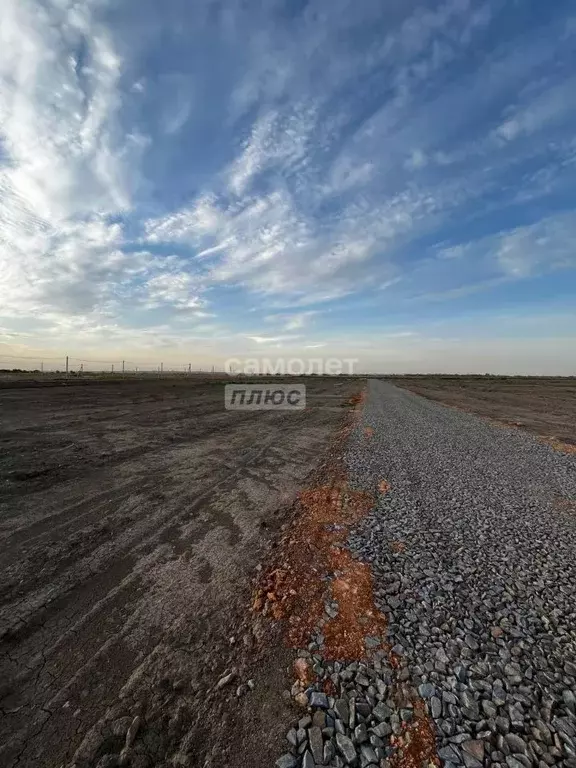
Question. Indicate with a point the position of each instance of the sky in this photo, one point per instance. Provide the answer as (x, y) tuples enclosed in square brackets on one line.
[(393, 182)]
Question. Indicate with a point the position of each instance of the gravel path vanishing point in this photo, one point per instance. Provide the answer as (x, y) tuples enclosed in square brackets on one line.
[(473, 553)]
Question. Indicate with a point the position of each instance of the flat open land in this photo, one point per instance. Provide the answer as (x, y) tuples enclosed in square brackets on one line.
[(132, 517), (410, 570), (542, 405)]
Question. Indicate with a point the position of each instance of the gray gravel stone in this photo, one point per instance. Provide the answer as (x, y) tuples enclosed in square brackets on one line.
[(316, 743), (479, 599), (341, 709), (484, 588), (318, 699), (308, 761), (346, 748), (286, 761)]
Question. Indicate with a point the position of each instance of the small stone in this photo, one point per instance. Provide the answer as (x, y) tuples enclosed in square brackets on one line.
[(226, 680), (513, 673), (329, 752), (513, 762), (360, 733), (474, 747), (308, 760), (489, 708), (346, 748), (426, 690), (435, 707), (447, 754), (132, 731), (515, 717), (570, 668), (316, 743), (341, 709), (382, 730), (381, 712), (368, 755), (318, 699), (304, 722), (502, 724), (292, 737), (301, 699), (516, 744), (471, 642), (286, 761), (470, 761), (442, 656), (319, 719), (352, 715)]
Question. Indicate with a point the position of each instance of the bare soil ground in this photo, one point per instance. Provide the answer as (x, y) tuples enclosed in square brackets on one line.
[(133, 516), (545, 406)]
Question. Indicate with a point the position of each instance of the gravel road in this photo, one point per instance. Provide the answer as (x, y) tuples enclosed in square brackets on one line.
[(473, 551)]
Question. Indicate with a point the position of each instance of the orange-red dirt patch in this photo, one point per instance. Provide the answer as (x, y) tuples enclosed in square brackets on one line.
[(312, 564), (357, 616), (416, 745), (559, 445), (383, 486)]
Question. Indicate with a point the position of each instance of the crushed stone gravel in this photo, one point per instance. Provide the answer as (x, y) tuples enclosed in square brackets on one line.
[(474, 559)]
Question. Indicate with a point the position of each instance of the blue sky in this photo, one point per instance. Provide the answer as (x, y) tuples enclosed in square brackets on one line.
[(189, 181)]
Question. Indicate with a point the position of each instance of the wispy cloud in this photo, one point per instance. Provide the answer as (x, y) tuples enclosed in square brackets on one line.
[(67, 166), (157, 171)]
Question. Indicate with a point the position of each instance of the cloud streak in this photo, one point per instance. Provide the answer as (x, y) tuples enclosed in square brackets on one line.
[(228, 158)]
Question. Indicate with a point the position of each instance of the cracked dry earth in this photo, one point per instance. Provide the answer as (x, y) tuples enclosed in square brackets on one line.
[(441, 586), (132, 518)]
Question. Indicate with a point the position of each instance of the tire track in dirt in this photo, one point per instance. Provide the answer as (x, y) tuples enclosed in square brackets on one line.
[(101, 618)]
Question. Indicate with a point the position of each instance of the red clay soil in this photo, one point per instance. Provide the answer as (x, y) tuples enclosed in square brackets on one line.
[(416, 745), (558, 445), (312, 555)]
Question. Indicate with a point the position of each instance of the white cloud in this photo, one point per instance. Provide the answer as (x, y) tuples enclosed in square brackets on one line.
[(417, 160), (273, 340), (549, 244), (67, 166), (179, 289), (549, 107), (268, 244)]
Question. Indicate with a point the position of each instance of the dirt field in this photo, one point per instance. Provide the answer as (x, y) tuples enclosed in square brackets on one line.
[(133, 516), (545, 406)]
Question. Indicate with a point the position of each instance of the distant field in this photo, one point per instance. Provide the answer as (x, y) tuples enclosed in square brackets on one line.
[(543, 405)]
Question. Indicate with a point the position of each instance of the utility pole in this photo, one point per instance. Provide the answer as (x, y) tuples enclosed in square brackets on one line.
[(42, 367), (161, 367), (112, 368), (122, 367), (66, 365), (81, 368), (189, 368)]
